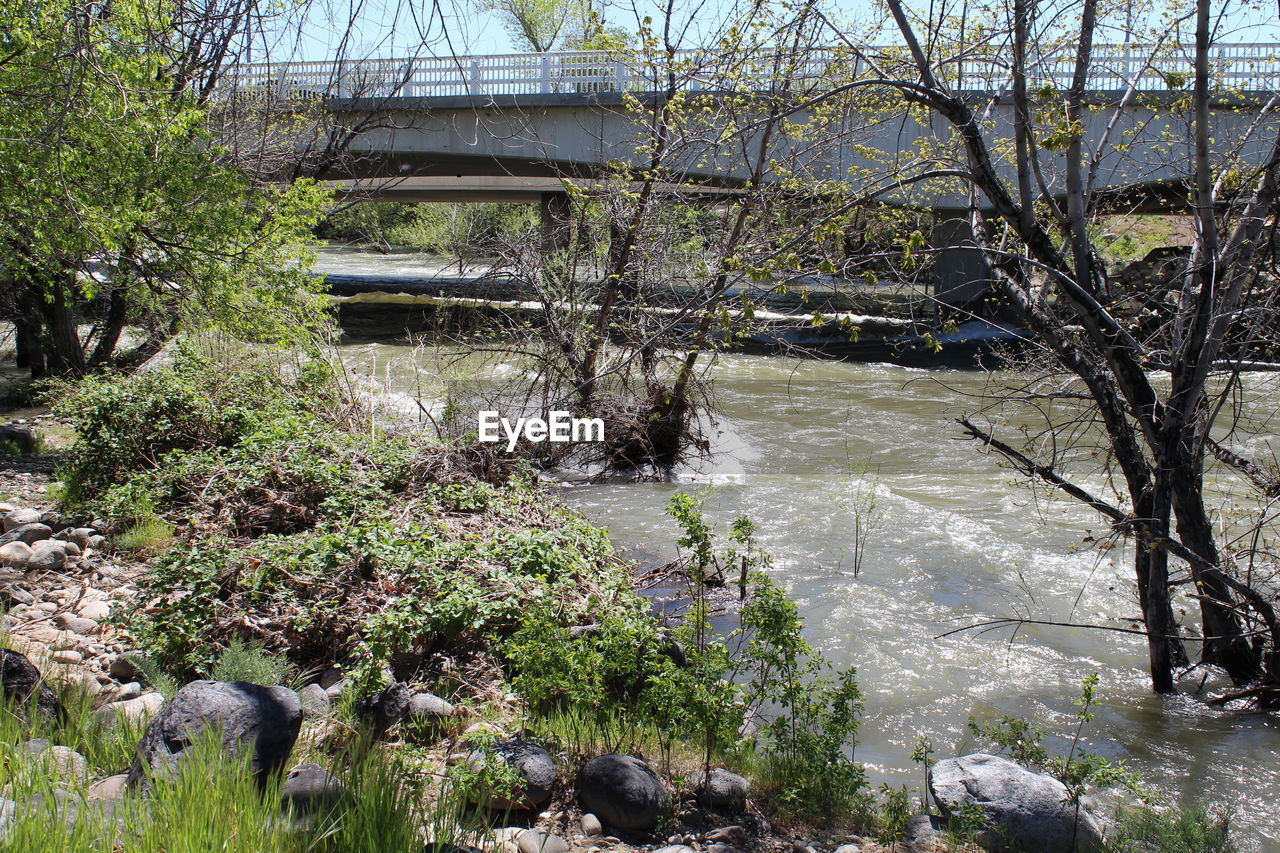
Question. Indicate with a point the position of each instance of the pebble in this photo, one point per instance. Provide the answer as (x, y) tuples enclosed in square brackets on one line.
[(94, 610), (15, 555), (132, 690), (591, 825), (110, 788), (537, 841), (77, 624)]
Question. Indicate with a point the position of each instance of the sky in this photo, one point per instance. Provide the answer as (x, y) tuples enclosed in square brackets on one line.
[(399, 28)]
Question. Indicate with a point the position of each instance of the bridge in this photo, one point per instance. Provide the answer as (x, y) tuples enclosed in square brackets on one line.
[(514, 127)]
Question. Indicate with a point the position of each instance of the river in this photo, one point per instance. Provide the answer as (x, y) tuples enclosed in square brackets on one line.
[(962, 540)]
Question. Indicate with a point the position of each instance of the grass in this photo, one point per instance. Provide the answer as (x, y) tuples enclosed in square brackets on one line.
[(145, 538)]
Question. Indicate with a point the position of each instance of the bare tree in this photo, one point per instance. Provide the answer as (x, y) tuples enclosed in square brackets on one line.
[(1155, 398)]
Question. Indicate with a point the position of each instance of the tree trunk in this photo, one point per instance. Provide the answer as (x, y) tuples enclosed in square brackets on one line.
[(65, 353)]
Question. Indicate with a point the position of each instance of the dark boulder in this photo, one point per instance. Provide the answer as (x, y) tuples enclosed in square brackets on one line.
[(20, 680), (531, 763), (622, 791), (309, 789), (264, 720)]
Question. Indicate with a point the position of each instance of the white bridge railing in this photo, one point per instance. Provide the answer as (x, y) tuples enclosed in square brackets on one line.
[(1245, 67)]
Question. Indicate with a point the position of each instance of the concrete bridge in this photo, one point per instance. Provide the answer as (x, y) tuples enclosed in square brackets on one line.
[(500, 128)]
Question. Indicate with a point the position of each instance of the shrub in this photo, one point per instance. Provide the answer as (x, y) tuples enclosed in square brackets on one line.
[(1173, 830), (128, 424)]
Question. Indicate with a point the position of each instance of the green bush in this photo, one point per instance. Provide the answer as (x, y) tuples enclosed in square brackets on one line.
[(1173, 830), (133, 423)]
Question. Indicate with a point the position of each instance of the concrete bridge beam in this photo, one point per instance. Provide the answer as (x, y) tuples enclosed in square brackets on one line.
[(960, 271)]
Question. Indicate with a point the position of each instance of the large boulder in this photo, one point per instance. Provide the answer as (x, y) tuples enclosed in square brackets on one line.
[(720, 789), (309, 788), (19, 517), (532, 765), (264, 720), (28, 533), (622, 791), (1024, 809), (19, 680)]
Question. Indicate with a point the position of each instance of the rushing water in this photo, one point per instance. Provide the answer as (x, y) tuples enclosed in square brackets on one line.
[(962, 541)]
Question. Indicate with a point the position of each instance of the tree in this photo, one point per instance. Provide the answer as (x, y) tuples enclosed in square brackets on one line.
[(121, 208), (541, 24), (1155, 397)]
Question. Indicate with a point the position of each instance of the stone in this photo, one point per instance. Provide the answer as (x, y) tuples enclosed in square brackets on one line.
[(132, 690), (81, 536), (675, 848), (72, 549), (61, 761), (534, 766), (734, 835), (46, 556), (265, 720), (132, 711), (848, 848), (20, 680), (1024, 809), (28, 533), (19, 436), (67, 656), (537, 841), (383, 710), (923, 830), (428, 708), (622, 791), (123, 668), (309, 788), (16, 594), (334, 691), (15, 555), (720, 789), (95, 611), (19, 517), (591, 825), (110, 788), (315, 701)]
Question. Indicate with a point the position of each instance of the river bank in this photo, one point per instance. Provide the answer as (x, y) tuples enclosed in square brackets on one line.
[(480, 709)]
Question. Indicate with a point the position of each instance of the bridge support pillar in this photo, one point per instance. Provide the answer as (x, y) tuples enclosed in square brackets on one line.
[(557, 222), (961, 272)]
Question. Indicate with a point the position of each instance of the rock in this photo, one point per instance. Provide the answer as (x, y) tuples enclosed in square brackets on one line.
[(72, 549), (81, 536), (848, 848), (385, 709), (622, 791), (20, 517), (94, 611), (266, 719), (923, 830), (315, 702), (28, 533), (67, 656), (734, 835), (333, 691), (533, 764), (1024, 809), (720, 789), (132, 711), (123, 668), (15, 555), (132, 690), (537, 841), (16, 594), (309, 788), (428, 708), (20, 680), (21, 437), (61, 761), (46, 556), (591, 825), (110, 788), (675, 848)]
